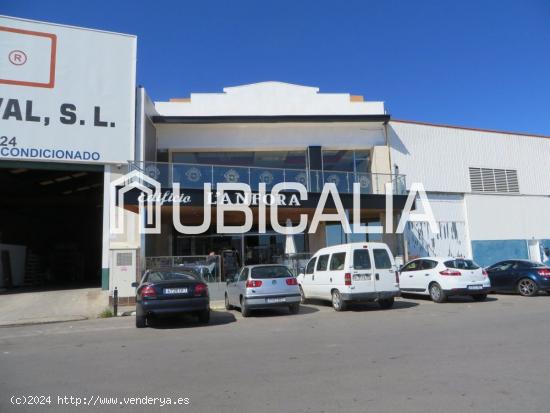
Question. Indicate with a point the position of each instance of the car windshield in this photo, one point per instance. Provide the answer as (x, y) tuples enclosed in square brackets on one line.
[(275, 271), (461, 264), (156, 276)]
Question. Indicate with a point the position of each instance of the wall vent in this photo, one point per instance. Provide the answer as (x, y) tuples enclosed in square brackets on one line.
[(123, 259), (502, 181)]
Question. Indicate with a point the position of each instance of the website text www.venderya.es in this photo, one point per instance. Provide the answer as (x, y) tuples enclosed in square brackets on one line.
[(97, 400)]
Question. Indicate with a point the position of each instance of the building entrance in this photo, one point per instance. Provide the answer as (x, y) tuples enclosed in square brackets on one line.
[(50, 225), (252, 248)]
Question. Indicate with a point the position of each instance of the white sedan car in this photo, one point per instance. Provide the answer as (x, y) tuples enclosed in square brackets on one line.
[(441, 277)]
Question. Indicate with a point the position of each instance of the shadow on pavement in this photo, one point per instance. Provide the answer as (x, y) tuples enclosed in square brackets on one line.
[(277, 312), (217, 318), (450, 300), (399, 304)]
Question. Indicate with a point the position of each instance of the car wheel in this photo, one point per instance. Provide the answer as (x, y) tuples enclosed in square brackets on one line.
[(337, 302), (303, 298), (294, 308), (245, 311), (437, 294), (227, 305), (141, 321), (204, 317), (479, 297), (527, 287), (386, 303)]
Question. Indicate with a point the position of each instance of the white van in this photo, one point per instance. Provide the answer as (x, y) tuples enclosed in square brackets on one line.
[(360, 271)]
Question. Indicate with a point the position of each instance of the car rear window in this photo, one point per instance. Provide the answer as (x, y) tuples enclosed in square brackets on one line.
[(275, 271), (461, 264), (361, 260), (156, 276), (382, 260)]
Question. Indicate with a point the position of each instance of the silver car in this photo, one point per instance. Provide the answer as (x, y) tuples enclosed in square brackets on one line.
[(262, 286)]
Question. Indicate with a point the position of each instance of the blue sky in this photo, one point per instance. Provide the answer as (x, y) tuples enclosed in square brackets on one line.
[(470, 62)]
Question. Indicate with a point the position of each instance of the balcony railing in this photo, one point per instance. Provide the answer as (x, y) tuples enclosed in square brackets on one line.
[(193, 176)]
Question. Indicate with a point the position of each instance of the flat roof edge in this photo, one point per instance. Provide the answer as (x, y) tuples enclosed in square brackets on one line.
[(69, 26), (270, 119), (442, 125)]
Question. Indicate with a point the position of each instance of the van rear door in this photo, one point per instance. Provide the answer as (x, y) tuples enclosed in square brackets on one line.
[(362, 278), (384, 271)]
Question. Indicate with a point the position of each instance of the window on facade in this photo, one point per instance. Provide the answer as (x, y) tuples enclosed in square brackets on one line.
[(494, 180), (335, 235), (346, 160), (262, 159)]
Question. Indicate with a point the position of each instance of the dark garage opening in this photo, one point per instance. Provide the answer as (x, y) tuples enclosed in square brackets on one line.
[(51, 213)]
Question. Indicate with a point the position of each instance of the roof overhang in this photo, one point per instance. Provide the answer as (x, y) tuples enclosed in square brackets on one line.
[(384, 118)]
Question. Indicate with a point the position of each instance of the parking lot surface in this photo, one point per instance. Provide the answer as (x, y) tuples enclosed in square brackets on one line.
[(462, 356)]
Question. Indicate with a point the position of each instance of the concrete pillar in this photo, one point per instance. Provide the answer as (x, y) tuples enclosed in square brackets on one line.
[(317, 240)]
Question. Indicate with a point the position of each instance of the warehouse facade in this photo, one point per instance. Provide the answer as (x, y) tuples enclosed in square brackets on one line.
[(490, 190)]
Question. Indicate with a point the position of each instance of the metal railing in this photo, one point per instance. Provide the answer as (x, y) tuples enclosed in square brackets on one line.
[(207, 266), (193, 176)]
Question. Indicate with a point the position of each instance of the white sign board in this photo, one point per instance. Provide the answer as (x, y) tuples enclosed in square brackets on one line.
[(67, 94)]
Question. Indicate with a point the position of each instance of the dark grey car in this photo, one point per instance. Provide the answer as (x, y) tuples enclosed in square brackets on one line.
[(167, 292)]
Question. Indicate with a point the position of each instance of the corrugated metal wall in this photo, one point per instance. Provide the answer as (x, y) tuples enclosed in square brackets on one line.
[(439, 157)]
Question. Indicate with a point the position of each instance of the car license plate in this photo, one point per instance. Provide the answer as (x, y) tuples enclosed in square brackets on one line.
[(361, 277), (475, 287), (175, 291), (276, 300)]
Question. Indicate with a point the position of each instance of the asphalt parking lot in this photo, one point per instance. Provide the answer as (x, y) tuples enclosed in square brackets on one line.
[(461, 356)]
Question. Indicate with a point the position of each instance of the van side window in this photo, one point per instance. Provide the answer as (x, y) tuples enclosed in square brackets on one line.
[(337, 261), (361, 260), (381, 259), (311, 265), (322, 263)]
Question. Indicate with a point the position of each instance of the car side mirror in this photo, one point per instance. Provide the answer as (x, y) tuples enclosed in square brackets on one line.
[(135, 284), (301, 270)]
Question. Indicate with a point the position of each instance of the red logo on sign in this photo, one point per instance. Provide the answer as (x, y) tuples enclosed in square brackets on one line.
[(17, 57)]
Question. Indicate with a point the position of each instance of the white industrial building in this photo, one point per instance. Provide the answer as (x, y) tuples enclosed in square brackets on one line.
[(490, 190), (266, 132), (68, 141)]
